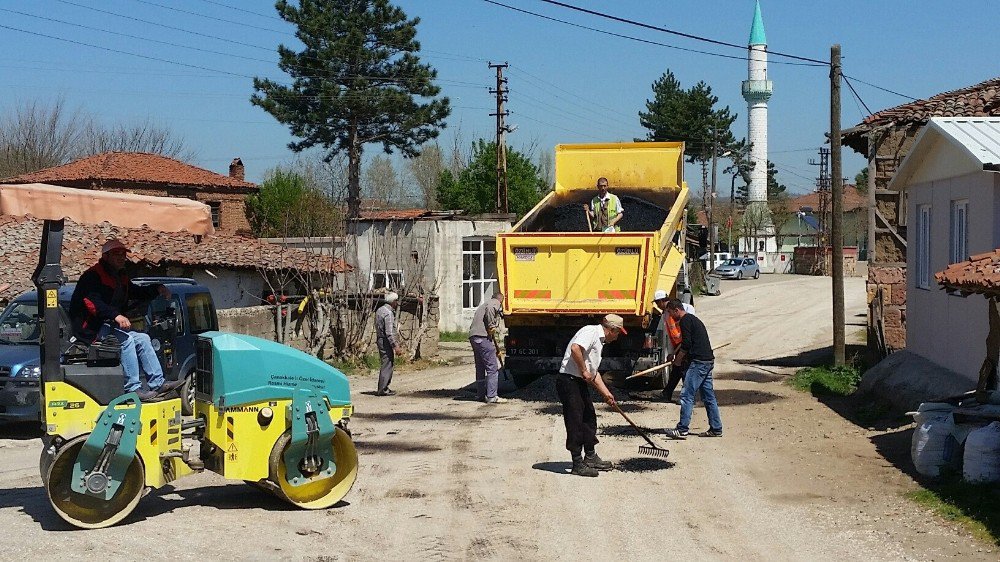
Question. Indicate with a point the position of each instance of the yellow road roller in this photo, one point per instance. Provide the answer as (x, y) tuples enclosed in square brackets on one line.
[(264, 413)]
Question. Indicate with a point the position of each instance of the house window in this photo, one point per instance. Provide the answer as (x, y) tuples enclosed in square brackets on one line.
[(479, 271), (923, 249), (391, 279), (216, 207), (959, 231)]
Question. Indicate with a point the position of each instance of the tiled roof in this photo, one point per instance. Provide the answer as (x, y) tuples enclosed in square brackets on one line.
[(978, 100), (21, 237), (132, 167), (408, 214), (980, 274), (853, 199)]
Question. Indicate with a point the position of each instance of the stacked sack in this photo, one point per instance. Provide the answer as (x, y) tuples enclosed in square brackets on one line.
[(934, 445), (981, 463)]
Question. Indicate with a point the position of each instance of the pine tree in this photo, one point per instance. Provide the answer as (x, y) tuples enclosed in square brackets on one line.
[(358, 81)]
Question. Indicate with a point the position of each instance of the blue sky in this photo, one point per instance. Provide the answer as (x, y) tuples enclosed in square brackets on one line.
[(567, 84)]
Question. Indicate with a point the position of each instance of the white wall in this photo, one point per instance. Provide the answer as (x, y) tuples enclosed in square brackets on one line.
[(946, 329), (439, 257), (231, 288), (448, 248)]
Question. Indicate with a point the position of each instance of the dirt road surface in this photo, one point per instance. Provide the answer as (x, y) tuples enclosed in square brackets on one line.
[(443, 477)]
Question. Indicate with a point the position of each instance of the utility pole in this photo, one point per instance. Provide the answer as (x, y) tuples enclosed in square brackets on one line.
[(711, 203), (823, 190), (837, 221), (501, 92)]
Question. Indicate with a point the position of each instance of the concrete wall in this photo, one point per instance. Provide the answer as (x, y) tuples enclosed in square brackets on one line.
[(428, 252), (950, 330), (231, 288)]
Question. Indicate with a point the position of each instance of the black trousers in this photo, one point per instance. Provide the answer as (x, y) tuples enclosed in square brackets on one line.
[(676, 374), (578, 413)]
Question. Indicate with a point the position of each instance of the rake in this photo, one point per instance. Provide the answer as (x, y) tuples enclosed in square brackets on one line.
[(651, 449)]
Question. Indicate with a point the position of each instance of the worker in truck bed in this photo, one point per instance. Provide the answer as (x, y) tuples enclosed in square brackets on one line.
[(605, 209)]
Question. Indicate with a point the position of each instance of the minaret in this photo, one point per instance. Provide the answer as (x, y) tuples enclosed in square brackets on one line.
[(757, 90)]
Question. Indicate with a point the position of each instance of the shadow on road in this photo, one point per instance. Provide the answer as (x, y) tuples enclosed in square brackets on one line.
[(737, 397), (750, 376), (21, 431), (410, 416), (807, 358), (34, 503)]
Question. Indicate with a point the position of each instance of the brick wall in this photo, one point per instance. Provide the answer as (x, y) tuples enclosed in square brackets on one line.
[(892, 281), (233, 216)]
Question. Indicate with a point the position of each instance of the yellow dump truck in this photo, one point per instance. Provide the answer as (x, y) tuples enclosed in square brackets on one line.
[(558, 276)]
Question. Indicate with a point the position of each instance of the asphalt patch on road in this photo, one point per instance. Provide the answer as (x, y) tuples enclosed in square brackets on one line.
[(642, 464), (393, 447), (556, 409)]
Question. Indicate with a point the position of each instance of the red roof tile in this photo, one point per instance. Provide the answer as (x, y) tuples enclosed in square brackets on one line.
[(21, 238), (853, 199), (980, 274), (131, 167), (978, 100)]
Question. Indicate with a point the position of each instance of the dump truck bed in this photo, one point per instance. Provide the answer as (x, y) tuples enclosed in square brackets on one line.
[(551, 264)]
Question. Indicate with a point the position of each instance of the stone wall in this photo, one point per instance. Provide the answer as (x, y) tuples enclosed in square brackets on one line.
[(887, 260), (892, 282)]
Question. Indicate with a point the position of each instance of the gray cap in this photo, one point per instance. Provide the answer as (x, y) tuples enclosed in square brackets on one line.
[(391, 297)]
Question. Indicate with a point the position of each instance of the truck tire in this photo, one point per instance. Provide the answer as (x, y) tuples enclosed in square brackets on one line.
[(187, 394)]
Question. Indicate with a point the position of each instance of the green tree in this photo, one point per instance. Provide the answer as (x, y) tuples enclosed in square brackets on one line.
[(357, 81), (774, 187), (861, 180), (286, 206), (475, 187), (676, 114)]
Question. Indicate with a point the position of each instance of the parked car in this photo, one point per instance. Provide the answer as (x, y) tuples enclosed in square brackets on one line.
[(20, 332), (173, 326), (738, 268)]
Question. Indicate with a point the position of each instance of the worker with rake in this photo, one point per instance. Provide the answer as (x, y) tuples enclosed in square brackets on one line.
[(577, 372)]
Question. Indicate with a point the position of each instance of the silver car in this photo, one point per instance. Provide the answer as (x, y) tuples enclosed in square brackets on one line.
[(738, 268)]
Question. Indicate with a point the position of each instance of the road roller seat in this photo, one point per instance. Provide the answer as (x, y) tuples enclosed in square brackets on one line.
[(95, 369)]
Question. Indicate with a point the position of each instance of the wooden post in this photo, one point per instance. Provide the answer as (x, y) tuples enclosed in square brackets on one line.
[(837, 218)]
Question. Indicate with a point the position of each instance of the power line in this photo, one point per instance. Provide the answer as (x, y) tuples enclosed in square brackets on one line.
[(223, 20), (855, 92), (537, 80), (245, 11), (880, 87), (678, 33), (632, 38)]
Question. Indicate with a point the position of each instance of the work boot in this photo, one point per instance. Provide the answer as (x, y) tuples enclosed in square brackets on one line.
[(169, 386), (147, 396), (593, 460), (581, 468), (496, 400)]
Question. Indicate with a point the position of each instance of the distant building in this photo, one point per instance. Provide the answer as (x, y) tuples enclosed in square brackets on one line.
[(153, 174)]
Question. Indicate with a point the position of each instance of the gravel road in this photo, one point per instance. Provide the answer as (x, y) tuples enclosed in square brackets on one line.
[(443, 477)]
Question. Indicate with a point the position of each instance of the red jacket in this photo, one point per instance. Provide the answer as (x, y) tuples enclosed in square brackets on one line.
[(100, 296)]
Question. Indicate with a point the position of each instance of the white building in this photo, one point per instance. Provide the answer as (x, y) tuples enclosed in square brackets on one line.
[(419, 251), (757, 90), (951, 192)]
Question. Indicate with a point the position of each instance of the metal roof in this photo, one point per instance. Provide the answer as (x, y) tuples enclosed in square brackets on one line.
[(978, 138)]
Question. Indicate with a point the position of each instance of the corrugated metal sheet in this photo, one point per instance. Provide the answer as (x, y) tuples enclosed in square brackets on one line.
[(980, 136)]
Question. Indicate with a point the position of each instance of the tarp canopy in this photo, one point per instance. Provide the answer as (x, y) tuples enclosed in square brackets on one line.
[(87, 206)]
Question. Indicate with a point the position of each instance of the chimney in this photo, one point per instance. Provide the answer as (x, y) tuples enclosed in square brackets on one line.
[(236, 169)]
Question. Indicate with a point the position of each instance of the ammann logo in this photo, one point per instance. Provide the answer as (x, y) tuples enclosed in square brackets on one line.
[(252, 409)]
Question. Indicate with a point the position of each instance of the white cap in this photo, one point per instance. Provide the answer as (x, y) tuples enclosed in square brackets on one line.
[(659, 295), (113, 244), (391, 297)]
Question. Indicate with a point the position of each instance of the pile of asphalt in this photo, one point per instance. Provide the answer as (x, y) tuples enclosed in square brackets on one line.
[(642, 464), (640, 216)]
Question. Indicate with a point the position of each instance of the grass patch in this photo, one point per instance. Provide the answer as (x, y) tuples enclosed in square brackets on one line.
[(454, 336), (359, 365), (976, 507), (838, 381)]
